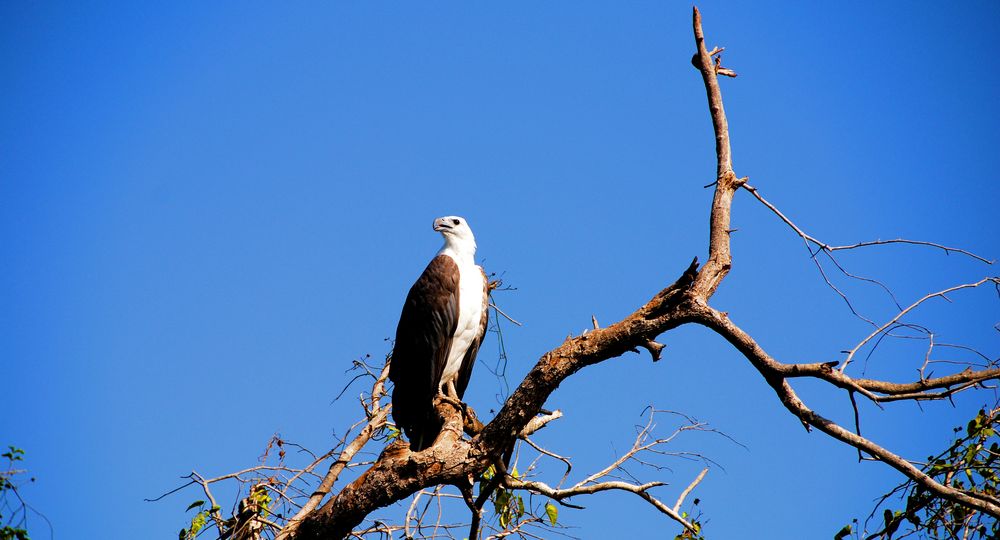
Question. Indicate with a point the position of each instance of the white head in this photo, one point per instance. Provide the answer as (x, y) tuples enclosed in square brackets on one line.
[(457, 234)]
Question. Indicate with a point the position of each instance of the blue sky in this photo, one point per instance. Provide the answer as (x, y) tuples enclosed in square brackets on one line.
[(207, 211)]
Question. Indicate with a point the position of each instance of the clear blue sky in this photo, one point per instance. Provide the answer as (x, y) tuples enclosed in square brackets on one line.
[(208, 210)]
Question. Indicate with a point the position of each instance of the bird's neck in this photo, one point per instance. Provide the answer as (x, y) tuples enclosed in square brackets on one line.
[(462, 252)]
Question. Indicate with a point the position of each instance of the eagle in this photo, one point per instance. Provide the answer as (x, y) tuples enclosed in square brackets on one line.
[(440, 329)]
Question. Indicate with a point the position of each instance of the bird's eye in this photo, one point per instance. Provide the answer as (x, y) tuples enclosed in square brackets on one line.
[(456, 221)]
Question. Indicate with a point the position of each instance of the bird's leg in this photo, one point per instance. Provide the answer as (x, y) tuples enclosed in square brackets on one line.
[(449, 394), (470, 422), (453, 416)]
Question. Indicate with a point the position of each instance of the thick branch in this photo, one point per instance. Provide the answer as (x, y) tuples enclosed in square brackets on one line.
[(726, 184)]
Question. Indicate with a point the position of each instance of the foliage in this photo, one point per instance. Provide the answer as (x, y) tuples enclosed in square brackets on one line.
[(970, 464), (551, 512), (688, 534), (199, 520), (252, 509), (10, 500), (509, 506)]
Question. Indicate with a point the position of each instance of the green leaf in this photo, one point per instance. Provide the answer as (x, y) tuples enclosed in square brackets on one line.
[(194, 505), (504, 513), (552, 512), (843, 533), (501, 505), (896, 522), (197, 523), (973, 427)]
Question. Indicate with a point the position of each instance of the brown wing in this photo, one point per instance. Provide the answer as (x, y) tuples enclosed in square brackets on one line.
[(423, 338), (465, 372)]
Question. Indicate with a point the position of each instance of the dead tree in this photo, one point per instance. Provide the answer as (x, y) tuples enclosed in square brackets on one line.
[(459, 461)]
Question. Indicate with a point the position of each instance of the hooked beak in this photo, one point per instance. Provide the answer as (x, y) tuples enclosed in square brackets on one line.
[(441, 225)]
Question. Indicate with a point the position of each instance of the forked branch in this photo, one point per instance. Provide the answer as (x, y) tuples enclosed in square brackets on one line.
[(772, 372)]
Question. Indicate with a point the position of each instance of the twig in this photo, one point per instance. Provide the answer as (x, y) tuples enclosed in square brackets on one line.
[(539, 422), (551, 454), (694, 483), (827, 247), (505, 316), (911, 307)]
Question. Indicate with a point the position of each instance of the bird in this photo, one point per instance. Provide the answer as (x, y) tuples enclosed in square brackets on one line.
[(441, 327)]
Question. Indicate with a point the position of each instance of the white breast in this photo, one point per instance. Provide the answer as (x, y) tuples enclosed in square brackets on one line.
[(470, 313)]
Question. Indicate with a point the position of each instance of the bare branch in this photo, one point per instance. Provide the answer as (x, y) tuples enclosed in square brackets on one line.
[(870, 388), (694, 483), (655, 349), (919, 390), (911, 307), (771, 370), (377, 419), (603, 480), (719, 255), (505, 316), (830, 248), (553, 455), (588, 489), (539, 422), (946, 249), (213, 512)]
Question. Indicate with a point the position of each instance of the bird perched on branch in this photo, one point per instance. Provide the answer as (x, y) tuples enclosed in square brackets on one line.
[(440, 329)]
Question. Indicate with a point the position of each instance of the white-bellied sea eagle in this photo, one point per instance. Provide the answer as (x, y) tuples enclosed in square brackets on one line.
[(440, 329)]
